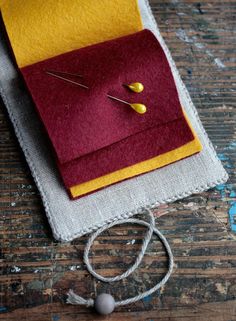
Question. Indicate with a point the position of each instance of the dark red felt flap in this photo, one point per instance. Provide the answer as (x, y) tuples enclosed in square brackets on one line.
[(132, 150), (81, 121)]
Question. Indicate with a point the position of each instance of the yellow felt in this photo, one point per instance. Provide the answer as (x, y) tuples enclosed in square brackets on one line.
[(184, 151), (40, 29)]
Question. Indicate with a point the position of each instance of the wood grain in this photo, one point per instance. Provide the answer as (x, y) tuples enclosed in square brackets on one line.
[(36, 271)]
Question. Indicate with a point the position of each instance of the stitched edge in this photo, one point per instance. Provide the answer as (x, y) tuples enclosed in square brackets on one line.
[(66, 238), (33, 169)]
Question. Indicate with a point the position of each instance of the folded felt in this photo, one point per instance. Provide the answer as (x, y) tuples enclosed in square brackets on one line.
[(134, 149), (182, 152), (42, 29), (98, 141), (188, 149), (81, 121)]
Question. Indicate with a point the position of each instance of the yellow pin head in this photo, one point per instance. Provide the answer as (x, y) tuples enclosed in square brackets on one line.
[(139, 108), (136, 87)]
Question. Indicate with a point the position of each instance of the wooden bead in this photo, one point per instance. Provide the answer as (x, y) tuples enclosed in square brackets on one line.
[(104, 304)]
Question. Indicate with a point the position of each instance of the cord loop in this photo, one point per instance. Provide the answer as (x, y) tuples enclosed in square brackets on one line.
[(76, 299)]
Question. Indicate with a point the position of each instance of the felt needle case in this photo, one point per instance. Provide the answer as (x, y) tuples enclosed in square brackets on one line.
[(94, 159)]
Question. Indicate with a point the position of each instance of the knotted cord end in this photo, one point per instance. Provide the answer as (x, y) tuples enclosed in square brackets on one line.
[(75, 299)]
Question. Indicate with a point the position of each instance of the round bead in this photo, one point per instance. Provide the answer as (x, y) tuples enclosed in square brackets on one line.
[(104, 303)]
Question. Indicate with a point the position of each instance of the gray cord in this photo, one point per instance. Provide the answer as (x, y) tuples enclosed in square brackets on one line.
[(76, 299)]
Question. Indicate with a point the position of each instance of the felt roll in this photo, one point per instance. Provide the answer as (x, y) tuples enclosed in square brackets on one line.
[(42, 29)]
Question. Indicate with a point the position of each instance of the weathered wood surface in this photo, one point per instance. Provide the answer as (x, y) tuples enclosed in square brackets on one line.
[(36, 271)]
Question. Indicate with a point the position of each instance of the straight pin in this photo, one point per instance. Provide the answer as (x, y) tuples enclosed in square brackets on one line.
[(65, 79), (139, 108), (64, 73)]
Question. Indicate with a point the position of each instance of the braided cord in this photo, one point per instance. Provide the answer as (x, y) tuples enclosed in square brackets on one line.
[(76, 299)]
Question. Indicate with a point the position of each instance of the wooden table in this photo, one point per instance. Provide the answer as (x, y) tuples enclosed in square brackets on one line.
[(36, 271)]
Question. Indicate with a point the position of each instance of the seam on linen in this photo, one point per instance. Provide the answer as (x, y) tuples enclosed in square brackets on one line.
[(140, 209), (29, 161)]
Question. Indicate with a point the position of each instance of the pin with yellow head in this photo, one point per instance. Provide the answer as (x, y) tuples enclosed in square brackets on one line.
[(136, 87), (139, 108)]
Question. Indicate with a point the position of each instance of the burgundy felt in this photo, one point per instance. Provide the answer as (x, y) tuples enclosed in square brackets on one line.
[(81, 121), (135, 149), (89, 193)]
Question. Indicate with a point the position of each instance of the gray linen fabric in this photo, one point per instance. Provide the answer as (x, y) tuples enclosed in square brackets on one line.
[(71, 219)]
